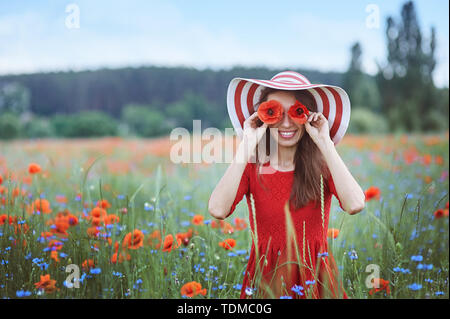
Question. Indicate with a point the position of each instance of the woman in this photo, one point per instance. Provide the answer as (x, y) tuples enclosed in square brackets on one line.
[(288, 190)]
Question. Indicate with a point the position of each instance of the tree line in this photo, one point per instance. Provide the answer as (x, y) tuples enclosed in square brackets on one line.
[(149, 101)]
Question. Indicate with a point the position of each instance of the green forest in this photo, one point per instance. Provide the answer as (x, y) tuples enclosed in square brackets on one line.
[(149, 101)]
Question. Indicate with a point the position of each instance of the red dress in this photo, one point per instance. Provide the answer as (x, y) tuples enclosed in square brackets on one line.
[(284, 263)]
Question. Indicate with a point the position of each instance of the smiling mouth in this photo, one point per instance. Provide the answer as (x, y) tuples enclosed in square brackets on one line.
[(287, 134)]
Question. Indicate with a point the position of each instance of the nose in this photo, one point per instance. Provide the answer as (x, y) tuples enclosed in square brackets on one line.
[(286, 121)]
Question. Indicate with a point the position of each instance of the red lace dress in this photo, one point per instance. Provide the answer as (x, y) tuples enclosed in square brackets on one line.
[(304, 261)]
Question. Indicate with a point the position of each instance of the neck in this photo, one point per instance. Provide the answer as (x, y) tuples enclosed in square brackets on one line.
[(285, 157)]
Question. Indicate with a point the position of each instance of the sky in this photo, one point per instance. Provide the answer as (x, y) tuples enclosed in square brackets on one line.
[(41, 36)]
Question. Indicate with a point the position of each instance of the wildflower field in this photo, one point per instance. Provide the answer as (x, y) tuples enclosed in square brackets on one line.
[(136, 225)]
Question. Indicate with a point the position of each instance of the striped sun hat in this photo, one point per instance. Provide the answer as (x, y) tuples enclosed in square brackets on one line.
[(332, 101)]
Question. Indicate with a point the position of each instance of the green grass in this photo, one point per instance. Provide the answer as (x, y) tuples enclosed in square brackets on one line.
[(387, 233)]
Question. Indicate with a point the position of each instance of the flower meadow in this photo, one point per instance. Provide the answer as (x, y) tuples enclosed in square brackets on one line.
[(136, 225)]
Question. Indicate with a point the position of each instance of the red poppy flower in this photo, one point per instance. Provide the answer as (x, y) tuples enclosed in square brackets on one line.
[(192, 289), (169, 243), (184, 237), (380, 285), (47, 284), (34, 168), (133, 240), (197, 220), (87, 263), (240, 223), (440, 213), (228, 243), (332, 233), (116, 257), (298, 113), (270, 112), (372, 192)]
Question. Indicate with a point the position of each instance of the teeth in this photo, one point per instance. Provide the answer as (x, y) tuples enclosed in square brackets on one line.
[(287, 134)]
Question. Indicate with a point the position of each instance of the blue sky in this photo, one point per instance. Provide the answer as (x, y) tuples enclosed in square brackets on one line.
[(215, 34)]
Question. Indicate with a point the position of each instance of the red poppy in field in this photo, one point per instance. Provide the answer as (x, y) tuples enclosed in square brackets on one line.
[(46, 283), (61, 225), (116, 257), (439, 160), (192, 289), (440, 213), (96, 221), (111, 219), (42, 205), (226, 227), (185, 237), (3, 218), (298, 113), (88, 263), (228, 243), (34, 168), (214, 224), (98, 212), (54, 255), (1, 179), (93, 231), (170, 244), (380, 285), (372, 192), (133, 240), (426, 159), (55, 244), (197, 220), (73, 220), (332, 232), (270, 112), (239, 223), (103, 204)]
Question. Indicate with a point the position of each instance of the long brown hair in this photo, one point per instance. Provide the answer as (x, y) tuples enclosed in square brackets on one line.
[(308, 160)]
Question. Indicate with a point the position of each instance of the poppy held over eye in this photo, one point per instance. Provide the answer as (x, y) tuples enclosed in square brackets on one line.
[(270, 112), (298, 113)]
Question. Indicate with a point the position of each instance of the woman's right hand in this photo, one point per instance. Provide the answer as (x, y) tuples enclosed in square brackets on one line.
[(252, 133)]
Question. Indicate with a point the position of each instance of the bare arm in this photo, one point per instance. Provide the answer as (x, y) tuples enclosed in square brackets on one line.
[(350, 193), (223, 195)]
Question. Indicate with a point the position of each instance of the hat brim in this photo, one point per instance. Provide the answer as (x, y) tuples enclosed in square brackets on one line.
[(332, 101)]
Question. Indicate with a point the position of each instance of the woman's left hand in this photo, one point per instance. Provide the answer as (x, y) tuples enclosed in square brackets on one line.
[(317, 127)]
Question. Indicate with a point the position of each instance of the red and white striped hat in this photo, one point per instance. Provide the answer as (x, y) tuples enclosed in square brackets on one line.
[(332, 101)]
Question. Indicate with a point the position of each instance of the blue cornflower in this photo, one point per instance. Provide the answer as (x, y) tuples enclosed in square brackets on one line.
[(232, 254), (310, 282), (213, 267), (415, 286), (428, 280), (237, 286), (241, 252), (297, 289), (417, 258), (325, 254), (439, 293), (187, 197), (285, 297), (23, 293), (352, 255), (95, 271)]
